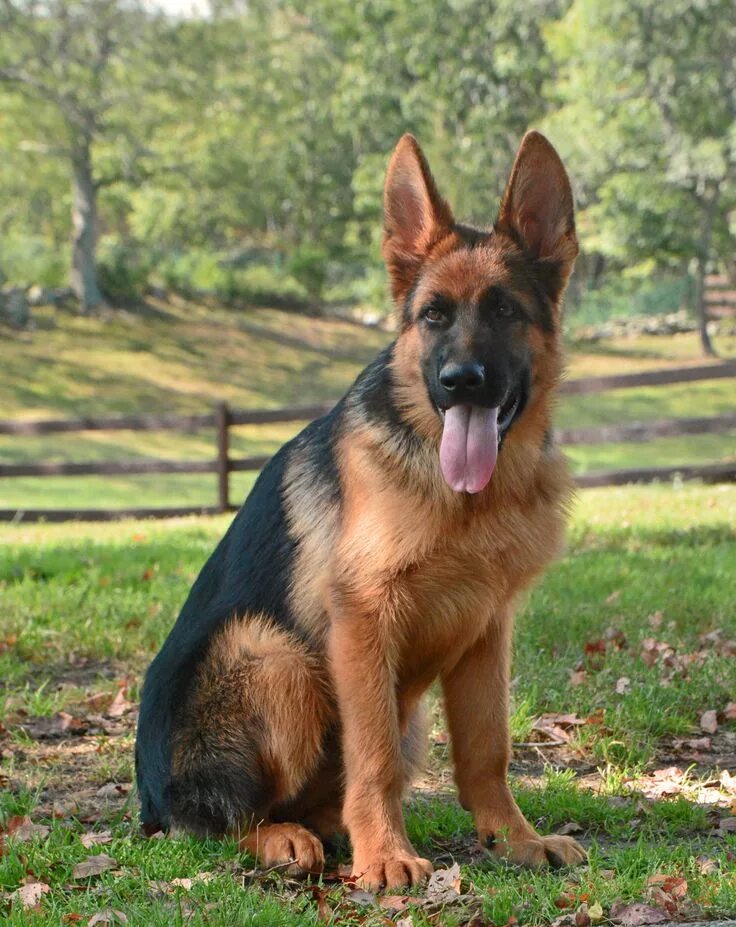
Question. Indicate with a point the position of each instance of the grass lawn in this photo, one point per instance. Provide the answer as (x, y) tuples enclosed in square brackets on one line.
[(624, 684), (185, 357)]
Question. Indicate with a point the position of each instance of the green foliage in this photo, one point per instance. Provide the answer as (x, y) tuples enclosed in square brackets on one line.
[(308, 265), (123, 271), (269, 125), (195, 273)]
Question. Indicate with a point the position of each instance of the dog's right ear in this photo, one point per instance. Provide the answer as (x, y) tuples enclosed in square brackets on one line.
[(415, 216)]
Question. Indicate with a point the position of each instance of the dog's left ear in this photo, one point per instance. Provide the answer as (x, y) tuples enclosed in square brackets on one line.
[(415, 216), (537, 208)]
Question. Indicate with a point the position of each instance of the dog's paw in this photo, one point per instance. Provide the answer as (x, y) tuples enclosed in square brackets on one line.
[(395, 872), (281, 844), (538, 852)]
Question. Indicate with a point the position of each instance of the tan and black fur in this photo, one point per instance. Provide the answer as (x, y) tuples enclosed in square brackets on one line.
[(286, 701)]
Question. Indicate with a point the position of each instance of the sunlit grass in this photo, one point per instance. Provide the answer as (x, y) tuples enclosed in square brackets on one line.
[(109, 593)]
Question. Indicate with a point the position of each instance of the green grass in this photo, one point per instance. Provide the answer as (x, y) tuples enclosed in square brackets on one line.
[(185, 357), (84, 607)]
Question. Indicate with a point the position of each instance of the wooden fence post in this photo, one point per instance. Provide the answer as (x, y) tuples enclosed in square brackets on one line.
[(222, 419)]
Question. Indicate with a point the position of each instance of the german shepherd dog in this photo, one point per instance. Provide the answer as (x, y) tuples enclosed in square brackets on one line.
[(382, 548)]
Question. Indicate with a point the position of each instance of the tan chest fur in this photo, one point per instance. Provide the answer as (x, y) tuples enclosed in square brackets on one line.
[(433, 568)]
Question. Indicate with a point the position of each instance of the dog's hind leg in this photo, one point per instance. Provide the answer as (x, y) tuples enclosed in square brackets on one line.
[(248, 738)]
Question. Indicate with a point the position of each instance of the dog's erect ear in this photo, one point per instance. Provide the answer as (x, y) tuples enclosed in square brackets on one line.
[(537, 208), (414, 214)]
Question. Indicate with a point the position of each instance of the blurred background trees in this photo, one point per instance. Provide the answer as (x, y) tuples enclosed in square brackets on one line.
[(241, 152)]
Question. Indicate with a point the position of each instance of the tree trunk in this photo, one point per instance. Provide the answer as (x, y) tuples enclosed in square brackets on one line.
[(84, 218), (701, 309)]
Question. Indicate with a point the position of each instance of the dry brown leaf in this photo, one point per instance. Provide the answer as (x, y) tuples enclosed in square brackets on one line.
[(360, 896), (93, 866), (91, 839), (707, 866), (623, 685), (393, 904), (709, 721), (405, 922), (572, 828), (578, 677), (22, 828), (655, 620), (108, 916), (113, 790), (728, 782), (636, 914), (43, 728), (729, 712), (727, 826), (444, 884), (119, 706), (693, 743), (30, 895)]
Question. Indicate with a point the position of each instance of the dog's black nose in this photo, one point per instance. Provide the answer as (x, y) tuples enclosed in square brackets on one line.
[(467, 376)]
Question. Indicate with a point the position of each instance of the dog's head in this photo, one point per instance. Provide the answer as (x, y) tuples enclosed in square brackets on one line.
[(477, 309)]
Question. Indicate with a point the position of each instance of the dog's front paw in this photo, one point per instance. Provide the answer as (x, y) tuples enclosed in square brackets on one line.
[(394, 872), (537, 852), (292, 846)]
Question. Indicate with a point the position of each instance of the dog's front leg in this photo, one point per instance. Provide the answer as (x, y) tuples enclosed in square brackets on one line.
[(364, 681), (476, 701)]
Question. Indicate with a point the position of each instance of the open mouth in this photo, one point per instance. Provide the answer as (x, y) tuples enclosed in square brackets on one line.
[(507, 412), (471, 437)]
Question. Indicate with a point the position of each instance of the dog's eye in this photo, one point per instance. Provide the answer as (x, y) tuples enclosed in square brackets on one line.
[(434, 315), (505, 311)]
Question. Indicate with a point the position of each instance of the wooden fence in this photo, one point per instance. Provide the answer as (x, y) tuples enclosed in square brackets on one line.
[(224, 418), (720, 296)]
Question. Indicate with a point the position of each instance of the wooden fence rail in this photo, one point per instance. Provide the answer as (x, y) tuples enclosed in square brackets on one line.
[(223, 419)]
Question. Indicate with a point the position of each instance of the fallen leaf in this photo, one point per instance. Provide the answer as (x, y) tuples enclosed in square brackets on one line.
[(405, 922), (565, 900), (91, 838), (591, 648), (113, 790), (572, 828), (108, 916), (444, 884), (636, 914), (727, 826), (655, 620), (729, 712), (393, 904), (595, 911), (93, 866), (30, 895), (623, 685), (693, 743), (361, 897), (578, 677), (22, 828), (709, 721), (186, 884), (707, 866), (582, 917), (119, 706), (613, 597), (49, 728)]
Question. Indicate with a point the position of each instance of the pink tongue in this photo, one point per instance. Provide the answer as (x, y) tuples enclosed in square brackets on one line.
[(469, 447)]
